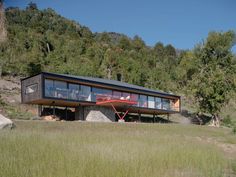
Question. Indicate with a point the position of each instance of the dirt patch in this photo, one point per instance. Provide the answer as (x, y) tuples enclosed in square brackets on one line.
[(9, 84), (10, 91), (228, 149)]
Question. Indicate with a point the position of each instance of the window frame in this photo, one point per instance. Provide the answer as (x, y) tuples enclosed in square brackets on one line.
[(26, 88)]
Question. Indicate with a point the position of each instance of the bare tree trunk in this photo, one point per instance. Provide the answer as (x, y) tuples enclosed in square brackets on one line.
[(199, 119), (3, 31), (109, 73), (48, 48), (216, 120)]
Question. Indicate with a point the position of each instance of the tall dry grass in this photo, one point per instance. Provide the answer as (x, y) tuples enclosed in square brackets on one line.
[(68, 149)]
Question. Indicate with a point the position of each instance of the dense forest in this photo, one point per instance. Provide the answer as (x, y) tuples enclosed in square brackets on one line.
[(42, 40)]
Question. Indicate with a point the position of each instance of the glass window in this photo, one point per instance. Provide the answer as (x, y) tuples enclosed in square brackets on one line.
[(73, 86), (126, 95), (73, 91), (143, 101), (158, 104), (31, 88), (165, 104), (134, 97), (49, 89), (60, 84), (116, 95), (100, 94), (151, 102), (85, 93), (61, 90)]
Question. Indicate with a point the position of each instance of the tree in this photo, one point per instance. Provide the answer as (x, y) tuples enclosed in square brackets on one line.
[(214, 80), (138, 43), (3, 33), (170, 51), (33, 68), (159, 49), (124, 43), (32, 6)]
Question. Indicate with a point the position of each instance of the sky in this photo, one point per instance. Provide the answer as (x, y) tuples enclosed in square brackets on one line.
[(182, 23)]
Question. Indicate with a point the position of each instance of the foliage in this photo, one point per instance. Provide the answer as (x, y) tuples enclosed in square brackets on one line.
[(234, 131), (214, 80), (42, 40), (227, 121), (13, 111)]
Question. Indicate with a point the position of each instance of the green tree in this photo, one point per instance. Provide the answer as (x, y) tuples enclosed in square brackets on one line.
[(214, 80), (138, 43), (32, 6)]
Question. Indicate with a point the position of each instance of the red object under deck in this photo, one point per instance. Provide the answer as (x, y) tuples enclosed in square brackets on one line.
[(113, 103)]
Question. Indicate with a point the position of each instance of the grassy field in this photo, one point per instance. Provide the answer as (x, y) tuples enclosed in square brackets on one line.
[(68, 149)]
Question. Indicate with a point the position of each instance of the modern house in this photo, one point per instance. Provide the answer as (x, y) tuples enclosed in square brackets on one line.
[(96, 99)]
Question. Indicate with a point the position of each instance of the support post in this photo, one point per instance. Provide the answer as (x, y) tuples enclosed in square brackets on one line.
[(54, 111), (79, 113), (39, 110), (139, 117), (66, 113), (153, 118), (121, 118)]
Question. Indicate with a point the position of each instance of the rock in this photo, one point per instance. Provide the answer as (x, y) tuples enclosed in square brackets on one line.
[(48, 118), (5, 122), (51, 118), (121, 120)]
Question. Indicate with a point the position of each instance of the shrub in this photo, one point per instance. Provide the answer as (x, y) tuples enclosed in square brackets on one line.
[(227, 121)]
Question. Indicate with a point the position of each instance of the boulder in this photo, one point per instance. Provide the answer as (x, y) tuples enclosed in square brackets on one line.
[(5, 122)]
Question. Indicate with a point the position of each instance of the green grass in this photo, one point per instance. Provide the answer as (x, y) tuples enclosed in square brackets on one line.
[(14, 111), (68, 149)]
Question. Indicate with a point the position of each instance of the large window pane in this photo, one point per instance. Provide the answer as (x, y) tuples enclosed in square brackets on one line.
[(31, 88), (61, 90), (60, 84), (74, 91), (134, 97), (151, 102), (100, 94), (85, 93), (49, 89), (165, 104), (158, 103), (126, 96), (143, 101), (116, 95)]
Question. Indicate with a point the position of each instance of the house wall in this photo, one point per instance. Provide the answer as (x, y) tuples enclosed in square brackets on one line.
[(95, 114), (31, 89)]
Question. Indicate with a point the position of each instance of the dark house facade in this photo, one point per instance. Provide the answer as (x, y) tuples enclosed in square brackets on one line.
[(84, 94)]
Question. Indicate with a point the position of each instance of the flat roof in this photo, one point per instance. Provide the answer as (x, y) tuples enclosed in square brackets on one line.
[(108, 83)]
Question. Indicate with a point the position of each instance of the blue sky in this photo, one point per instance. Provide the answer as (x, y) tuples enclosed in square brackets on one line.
[(182, 23)]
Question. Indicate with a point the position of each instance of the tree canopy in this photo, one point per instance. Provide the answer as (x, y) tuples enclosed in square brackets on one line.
[(42, 40)]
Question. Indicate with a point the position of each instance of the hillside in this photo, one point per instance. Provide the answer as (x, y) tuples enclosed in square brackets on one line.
[(42, 40)]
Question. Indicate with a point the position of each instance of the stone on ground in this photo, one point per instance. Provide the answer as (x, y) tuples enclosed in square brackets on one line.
[(5, 122)]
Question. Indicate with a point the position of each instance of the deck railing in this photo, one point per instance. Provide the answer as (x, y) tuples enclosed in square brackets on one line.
[(73, 94)]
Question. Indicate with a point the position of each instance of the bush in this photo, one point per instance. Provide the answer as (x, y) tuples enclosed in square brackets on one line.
[(227, 121), (234, 130)]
